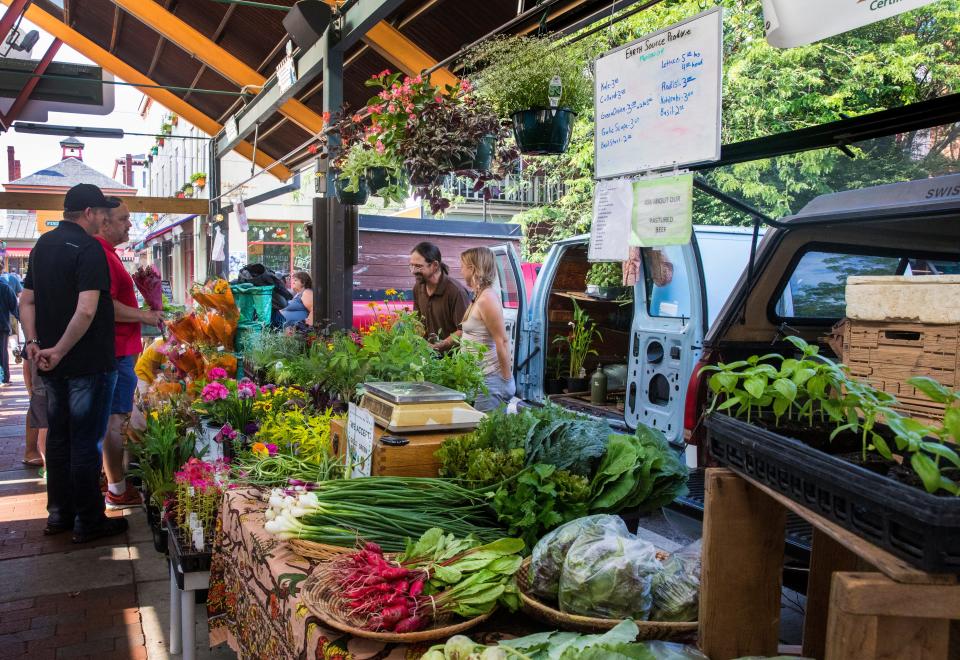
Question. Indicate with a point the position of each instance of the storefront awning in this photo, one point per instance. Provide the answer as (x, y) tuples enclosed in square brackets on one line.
[(163, 230)]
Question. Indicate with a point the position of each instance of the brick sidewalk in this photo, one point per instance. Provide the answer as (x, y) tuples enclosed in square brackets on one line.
[(56, 602)]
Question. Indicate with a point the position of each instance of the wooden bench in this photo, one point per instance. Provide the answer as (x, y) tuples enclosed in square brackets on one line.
[(862, 602)]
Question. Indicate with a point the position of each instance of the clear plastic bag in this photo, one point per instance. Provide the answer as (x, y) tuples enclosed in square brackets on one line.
[(676, 589), (609, 576), (546, 562)]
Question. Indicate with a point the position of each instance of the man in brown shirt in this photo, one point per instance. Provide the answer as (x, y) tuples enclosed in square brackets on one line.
[(440, 300)]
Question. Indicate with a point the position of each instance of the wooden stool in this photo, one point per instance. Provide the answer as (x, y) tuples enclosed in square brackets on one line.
[(899, 612)]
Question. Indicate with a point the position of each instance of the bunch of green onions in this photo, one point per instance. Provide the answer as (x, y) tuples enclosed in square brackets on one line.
[(384, 510), (283, 469)]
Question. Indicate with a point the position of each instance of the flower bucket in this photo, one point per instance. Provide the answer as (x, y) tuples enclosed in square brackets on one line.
[(379, 177), (255, 303), (543, 131), (482, 158), (355, 198)]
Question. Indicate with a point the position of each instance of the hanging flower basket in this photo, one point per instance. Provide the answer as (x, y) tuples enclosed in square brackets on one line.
[(199, 179), (357, 198), (160, 141), (174, 120), (181, 194), (483, 157), (380, 177), (542, 131), (188, 189), (154, 150)]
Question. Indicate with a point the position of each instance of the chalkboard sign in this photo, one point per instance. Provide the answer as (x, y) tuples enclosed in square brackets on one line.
[(657, 99), (166, 289)]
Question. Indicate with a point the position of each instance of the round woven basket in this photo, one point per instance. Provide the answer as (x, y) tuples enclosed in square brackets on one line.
[(648, 629), (330, 608)]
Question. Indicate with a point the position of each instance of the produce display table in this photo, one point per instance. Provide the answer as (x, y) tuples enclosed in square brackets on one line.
[(895, 612), (255, 602)]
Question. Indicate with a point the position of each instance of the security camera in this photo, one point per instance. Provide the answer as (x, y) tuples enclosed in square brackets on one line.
[(19, 41)]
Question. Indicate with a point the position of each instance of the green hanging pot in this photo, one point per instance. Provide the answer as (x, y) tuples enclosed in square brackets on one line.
[(357, 198), (482, 158), (379, 178), (542, 131)]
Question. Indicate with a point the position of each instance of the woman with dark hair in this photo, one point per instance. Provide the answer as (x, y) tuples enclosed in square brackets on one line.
[(301, 307), (439, 299)]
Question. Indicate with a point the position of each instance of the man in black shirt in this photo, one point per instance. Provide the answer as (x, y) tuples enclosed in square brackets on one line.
[(67, 317)]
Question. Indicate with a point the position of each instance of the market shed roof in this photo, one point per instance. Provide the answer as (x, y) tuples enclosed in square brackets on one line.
[(66, 174), (255, 38)]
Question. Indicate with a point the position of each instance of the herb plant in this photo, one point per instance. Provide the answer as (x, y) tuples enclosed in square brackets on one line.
[(605, 274), (579, 341)]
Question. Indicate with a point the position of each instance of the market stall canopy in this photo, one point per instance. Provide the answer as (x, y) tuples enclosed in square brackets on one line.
[(204, 54)]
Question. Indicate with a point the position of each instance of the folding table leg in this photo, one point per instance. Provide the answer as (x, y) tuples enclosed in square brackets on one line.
[(187, 609), (175, 628)]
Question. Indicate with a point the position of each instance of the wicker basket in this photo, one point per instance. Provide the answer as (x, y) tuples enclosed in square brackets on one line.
[(332, 610), (680, 631)]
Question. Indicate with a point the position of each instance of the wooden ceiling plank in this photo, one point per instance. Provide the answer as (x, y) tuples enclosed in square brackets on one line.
[(115, 32), (191, 40), (216, 38), (100, 56), (30, 201)]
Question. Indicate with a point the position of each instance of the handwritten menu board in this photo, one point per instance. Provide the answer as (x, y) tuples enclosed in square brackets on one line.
[(657, 99)]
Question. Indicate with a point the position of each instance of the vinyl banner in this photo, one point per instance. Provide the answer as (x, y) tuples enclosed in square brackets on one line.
[(792, 23)]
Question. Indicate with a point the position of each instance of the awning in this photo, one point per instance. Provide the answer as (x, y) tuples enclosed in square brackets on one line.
[(163, 230), (18, 251)]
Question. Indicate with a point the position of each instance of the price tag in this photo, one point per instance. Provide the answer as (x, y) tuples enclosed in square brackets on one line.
[(231, 129), (286, 74), (359, 440)]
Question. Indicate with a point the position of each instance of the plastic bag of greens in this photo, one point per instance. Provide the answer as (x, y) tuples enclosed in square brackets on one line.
[(546, 562), (676, 589), (609, 576)]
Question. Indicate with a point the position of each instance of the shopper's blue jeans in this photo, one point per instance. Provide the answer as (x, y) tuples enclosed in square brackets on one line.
[(77, 413)]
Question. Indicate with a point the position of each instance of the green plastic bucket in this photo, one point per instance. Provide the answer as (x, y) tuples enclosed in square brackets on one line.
[(254, 302)]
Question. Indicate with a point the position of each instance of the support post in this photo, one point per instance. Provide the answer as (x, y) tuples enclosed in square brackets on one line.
[(216, 204)]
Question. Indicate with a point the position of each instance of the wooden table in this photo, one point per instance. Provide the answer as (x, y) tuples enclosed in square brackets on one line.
[(862, 602)]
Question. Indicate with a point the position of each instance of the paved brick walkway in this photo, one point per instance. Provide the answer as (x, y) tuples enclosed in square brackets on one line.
[(103, 600)]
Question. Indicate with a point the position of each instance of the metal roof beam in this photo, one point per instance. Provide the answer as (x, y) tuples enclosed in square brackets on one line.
[(194, 42), (360, 17), (56, 28)]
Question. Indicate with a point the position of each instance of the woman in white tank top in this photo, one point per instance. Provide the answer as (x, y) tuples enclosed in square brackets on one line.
[(483, 324)]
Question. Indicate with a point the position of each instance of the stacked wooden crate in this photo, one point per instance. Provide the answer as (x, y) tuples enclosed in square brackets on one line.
[(901, 327)]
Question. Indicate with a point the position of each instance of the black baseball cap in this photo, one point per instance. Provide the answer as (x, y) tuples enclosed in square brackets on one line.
[(87, 196)]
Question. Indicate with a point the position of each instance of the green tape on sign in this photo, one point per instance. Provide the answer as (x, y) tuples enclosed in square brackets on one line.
[(662, 211)]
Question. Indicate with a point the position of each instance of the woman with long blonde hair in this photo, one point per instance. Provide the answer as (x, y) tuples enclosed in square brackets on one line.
[(483, 324)]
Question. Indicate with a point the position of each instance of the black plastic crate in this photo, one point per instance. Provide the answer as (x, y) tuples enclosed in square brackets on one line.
[(185, 558), (921, 528)]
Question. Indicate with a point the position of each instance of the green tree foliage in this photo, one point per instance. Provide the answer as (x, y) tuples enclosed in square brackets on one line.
[(909, 58)]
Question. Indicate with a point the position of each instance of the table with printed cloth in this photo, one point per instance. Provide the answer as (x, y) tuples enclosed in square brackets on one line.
[(255, 602)]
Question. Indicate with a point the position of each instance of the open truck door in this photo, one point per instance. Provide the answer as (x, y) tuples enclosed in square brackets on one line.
[(669, 323), (513, 293)]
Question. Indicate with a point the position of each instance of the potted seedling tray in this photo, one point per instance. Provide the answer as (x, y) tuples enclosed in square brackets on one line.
[(183, 554), (920, 527)]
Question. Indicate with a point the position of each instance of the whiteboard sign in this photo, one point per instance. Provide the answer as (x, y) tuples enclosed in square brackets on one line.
[(662, 211), (359, 440), (610, 229), (657, 99)]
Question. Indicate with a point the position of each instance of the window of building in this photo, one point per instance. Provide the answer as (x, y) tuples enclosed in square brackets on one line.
[(281, 246)]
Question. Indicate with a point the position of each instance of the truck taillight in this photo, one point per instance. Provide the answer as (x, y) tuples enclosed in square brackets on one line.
[(694, 405)]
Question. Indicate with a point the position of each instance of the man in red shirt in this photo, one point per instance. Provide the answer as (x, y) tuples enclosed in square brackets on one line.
[(127, 319)]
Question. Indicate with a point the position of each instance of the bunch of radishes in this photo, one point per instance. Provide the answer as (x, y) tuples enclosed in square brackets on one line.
[(434, 578)]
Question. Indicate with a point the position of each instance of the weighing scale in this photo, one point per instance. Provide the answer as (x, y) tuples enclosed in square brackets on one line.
[(418, 406), (412, 421)]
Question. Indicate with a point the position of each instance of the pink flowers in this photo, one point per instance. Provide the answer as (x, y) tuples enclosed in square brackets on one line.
[(383, 74), (214, 391), (438, 98), (246, 389), (202, 475), (269, 388), (227, 433), (217, 373)]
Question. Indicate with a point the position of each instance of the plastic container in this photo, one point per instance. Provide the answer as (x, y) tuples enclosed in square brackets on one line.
[(541, 131), (254, 302), (355, 198), (921, 528)]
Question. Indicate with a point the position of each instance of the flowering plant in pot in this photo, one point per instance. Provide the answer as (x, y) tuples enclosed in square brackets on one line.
[(540, 86), (187, 189), (199, 179), (355, 164), (166, 128), (579, 341), (455, 132)]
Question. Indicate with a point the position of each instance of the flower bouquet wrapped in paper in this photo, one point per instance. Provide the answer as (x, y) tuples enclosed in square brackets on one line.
[(147, 279), (187, 359), (221, 360), (187, 329), (216, 295)]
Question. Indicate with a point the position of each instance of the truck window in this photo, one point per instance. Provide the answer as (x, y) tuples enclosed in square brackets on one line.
[(668, 292), (509, 287), (817, 286)]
